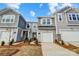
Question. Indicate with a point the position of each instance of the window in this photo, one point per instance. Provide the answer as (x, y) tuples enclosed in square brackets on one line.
[(3, 20), (60, 17), (74, 16), (28, 26), (44, 21), (48, 21), (77, 16), (8, 18), (11, 20), (70, 17)]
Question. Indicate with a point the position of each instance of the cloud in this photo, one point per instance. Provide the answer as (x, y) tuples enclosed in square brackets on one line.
[(41, 5), (32, 13), (52, 7), (56, 6), (13, 5)]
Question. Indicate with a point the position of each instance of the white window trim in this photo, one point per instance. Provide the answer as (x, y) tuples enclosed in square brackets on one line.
[(42, 21), (61, 17), (46, 21), (72, 17), (7, 22), (50, 21)]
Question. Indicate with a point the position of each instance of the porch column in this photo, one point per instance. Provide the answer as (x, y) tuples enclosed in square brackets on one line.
[(28, 34)]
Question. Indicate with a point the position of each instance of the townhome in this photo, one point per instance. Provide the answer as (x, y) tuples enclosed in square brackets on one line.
[(64, 24), (67, 24), (46, 29), (12, 25), (33, 29)]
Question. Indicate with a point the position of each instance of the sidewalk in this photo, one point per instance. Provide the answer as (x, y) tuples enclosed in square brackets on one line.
[(51, 49)]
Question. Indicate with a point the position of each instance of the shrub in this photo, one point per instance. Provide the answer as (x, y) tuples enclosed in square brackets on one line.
[(10, 43), (62, 42), (36, 40), (2, 43), (26, 40), (56, 41)]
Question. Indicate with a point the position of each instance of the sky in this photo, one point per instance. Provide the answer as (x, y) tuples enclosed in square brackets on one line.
[(31, 11)]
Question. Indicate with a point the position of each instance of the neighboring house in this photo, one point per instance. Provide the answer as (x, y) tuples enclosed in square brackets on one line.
[(67, 24), (11, 25), (33, 29), (46, 29)]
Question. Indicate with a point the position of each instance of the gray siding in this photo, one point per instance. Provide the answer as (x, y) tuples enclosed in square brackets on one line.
[(9, 24), (19, 38), (47, 27), (65, 23), (52, 20), (22, 22)]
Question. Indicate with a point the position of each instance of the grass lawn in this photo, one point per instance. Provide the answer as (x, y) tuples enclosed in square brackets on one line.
[(21, 49)]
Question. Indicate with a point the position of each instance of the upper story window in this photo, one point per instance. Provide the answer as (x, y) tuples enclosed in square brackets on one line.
[(44, 21), (28, 25), (60, 17), (48, 21), (74, 16), (70, 17), (8, 18), (78, 16)]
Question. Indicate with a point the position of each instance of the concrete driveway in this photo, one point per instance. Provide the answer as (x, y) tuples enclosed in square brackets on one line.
[(51, 49)]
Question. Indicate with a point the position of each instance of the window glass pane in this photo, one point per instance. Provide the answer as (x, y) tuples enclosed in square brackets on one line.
[(11, 20), (7, 20), (28, 26), (70, 18), (3, 20), (48, 21), (74, 17), (44, 21), (60, 17), (77, 17)]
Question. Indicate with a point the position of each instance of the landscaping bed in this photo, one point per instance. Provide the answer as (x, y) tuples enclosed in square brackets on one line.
[(30, 50), (8, 52), (21, 49), (69, 47)]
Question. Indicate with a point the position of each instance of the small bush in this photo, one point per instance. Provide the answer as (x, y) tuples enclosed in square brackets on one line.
[(56, 41), (62, 42), (26, 40), (10, 43), (36, 40), (2, 43)]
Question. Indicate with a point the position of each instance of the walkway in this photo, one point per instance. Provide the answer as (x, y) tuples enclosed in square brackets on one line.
[(51, 49)]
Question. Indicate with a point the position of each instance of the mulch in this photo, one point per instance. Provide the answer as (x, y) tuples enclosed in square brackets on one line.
[(70, 47), (8, 52)]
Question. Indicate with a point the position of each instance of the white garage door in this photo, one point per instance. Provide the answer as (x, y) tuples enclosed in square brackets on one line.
[(4, 36), (70, 35), (47, 37)]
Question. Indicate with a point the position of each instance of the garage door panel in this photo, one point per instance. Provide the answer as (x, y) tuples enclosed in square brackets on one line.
[(70, 35), (47, 37), (4, 36)]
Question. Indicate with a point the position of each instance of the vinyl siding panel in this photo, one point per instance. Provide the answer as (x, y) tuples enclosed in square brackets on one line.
[(9, 24), (22, 22)]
